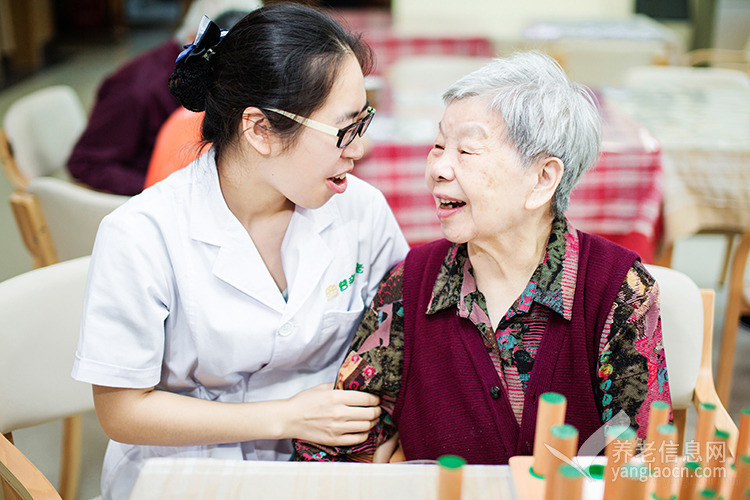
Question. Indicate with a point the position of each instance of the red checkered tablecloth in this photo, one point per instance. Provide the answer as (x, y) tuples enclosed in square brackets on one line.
[(388, 48), (376, 27)]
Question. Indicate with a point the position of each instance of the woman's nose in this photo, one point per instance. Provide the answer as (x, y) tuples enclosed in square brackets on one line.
[(355, 150), (439, 168)]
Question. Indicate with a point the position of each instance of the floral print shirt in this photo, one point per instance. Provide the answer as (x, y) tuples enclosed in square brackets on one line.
[(632, 365)]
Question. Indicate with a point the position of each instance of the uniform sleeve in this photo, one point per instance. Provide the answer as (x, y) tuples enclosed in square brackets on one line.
[(632, 362), (374, 364), (128, 297)]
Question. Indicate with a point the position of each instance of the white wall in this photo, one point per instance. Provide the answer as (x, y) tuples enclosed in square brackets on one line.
[(497, 19), (731, 24)]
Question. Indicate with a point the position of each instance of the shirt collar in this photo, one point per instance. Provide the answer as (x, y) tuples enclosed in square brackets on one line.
[(553, 280)]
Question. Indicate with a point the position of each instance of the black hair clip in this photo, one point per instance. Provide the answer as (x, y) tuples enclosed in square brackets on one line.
[(208, 38)]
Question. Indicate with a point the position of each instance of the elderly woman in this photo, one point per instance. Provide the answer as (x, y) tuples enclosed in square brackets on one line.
[(465, 335)]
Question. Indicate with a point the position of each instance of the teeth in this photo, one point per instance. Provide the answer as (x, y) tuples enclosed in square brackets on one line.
[(338, 179), (449, 203)]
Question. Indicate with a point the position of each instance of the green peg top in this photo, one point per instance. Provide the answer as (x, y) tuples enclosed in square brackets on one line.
[(451, 461), (659, 405), (563, 431), (622, 432), (553, 398), (569, 472)]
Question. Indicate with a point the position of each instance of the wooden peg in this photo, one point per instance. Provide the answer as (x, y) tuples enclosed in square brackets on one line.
[(741, 487), (634, 478), (569, 483), (450, 477), (551, 412), (690, 484), (665, 447), (704, 429), (621, 442), (658, 414), (706, 494), (716, 461), (564, 441), (743, 440)]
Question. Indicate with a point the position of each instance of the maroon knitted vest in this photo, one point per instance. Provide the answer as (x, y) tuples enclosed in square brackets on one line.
[(451, 399)]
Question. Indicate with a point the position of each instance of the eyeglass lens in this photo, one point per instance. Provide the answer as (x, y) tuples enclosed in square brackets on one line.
[(357, 128)]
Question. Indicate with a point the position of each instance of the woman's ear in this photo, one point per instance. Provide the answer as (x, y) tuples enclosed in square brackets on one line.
[(257, 130), (549, 172)]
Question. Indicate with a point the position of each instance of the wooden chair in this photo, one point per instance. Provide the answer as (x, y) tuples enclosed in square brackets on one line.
[(719, 58), (39, 132), (57, 219), (22, 480), (40, 313), (737, 305), (687, 315)]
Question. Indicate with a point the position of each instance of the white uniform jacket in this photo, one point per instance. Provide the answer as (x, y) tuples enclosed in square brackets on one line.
[(179, 298)]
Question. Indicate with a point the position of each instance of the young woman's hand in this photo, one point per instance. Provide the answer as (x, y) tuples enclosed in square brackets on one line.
[(331, 417)]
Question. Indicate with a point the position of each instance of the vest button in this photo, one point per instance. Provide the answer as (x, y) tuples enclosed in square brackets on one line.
[(495, 392)]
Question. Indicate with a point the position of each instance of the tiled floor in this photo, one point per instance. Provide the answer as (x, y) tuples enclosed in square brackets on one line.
[(82, 68)]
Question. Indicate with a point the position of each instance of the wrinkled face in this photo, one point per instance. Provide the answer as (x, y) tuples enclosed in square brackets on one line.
[(478, 182), (313, 169)]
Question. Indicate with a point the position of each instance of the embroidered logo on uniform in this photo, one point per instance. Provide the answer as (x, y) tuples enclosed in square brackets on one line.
[(333, 291)]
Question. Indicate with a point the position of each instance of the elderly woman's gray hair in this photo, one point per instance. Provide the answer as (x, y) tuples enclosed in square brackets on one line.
[(545, 114)]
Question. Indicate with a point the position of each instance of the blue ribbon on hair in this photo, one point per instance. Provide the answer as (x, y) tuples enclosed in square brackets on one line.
[(208, 38)]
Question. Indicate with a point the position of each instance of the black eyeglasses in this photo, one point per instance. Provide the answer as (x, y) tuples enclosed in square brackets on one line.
[(345, 135)]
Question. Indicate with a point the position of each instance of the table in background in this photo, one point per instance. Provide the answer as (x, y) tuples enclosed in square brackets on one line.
[(599, 52), (205, 478), (705, 139), (376, 26)]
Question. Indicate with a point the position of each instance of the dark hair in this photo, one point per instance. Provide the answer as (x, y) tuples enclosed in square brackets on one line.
[(284, 56), (227, 19)]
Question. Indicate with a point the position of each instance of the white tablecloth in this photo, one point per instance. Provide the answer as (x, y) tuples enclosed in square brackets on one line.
[(196, 478)]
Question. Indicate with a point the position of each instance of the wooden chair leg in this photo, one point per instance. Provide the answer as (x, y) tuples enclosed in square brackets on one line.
[(731, 319), (70, 463), (8, 493), (664, 256), (679, 417), (727, 259)]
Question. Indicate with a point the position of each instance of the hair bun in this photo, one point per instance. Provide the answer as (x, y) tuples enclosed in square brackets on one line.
[(189, 83)]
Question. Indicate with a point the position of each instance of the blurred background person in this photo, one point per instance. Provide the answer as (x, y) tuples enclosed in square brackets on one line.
[(132, 104)]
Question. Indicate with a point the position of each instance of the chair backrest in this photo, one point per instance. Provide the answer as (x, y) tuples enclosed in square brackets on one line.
[(72, 213), (687, 316), (26, 482), (42, 129), (682, 331), (41, 313), (654, 77)]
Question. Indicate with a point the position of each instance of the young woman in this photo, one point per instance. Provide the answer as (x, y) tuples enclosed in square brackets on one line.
[(220, 299)]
